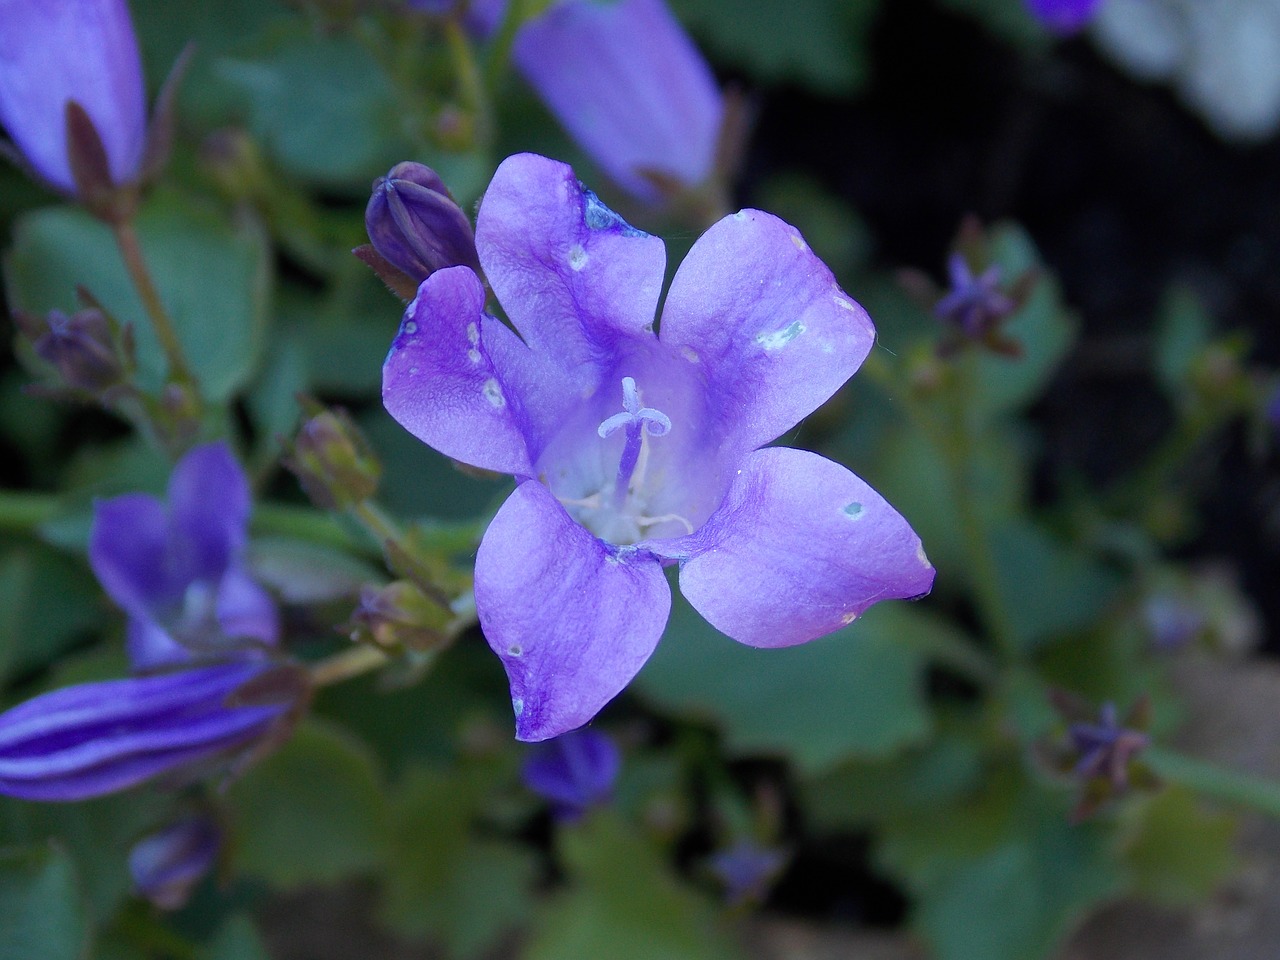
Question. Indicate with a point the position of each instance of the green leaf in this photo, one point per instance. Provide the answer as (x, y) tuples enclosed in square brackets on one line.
[(1181, 851), (49, 602), (442, 882), (323, 105), (623, 903), (820, 43), (213, 279), (1050, 590), (302, 572), (41, 916), (313, 812), (1183, 332), (238, 939), (1009, 21), (857, 692)]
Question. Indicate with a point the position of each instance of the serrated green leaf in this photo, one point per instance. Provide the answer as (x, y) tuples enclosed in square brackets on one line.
[(313, 812), (1180, 851), (212, 278), (623, 903), (857, 692), (41, 915)]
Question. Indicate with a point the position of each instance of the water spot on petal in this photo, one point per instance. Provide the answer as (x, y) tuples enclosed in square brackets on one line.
[(740, 215), (920, 555), (517, 704), (799, 243), (515, 650), (577, 257), (473, 355), (493, 393), (413, 371), (473, 334), (597, 216), (780, 338), (690, 354), (842, 302), (849, 617), (852, 510), (410, 327)]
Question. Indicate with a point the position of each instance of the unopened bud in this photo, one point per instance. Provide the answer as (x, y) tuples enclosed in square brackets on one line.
[(399, 615), (82, 347), (333, 461), (167, 865), (416, 226)]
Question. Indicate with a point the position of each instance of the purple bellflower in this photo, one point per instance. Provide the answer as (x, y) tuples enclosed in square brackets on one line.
[(178, 569), (630, 87), (53, 52), (1064, 16), (634, 450), (575, 771), (167, 865), (98, 738)]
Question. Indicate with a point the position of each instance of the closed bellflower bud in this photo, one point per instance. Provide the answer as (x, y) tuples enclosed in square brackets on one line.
[(415, 225), (630, 87), (82, 347), (1064, 16), (399, 615), (98, 738), (575, 771), (333, 461), (167, 865), (59, 52)]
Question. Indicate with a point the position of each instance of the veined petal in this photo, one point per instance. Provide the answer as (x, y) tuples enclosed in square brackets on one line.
[(763, 319), (573, 276), (128, 550), (452, 376), (571, 618), (209, 503), (800, 547), (629, 85)]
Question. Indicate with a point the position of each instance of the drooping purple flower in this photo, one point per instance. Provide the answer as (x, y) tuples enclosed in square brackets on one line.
[(177, 568), (98, 738), (1064, 16), (629, 86), (575, 771), (747, 870), (56, 51), (634, 450), (167, 865)]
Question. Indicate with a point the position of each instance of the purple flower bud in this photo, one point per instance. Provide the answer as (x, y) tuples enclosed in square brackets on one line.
[(167, 865), (1105, 748), (414, 223), (747, 870), (54, 52), (1064, 16), (629, 85), (98, 738), (333, 461), (399, 615), (976, 305), (83, 348), (575, 771)]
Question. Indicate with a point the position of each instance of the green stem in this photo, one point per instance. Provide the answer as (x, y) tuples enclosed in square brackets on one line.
[(379, 525), (347, 664), (964, 658), (1210, 780), (470, 81), (22, 512), (136, 264)]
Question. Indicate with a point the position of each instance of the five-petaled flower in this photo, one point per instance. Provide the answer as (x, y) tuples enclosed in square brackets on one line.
[(635, 449)]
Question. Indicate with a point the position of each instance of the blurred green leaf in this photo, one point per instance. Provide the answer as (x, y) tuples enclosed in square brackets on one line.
[(213, 279), (857, 692), (314, 812), (1181, 851), (238, 939), (1049, 589), (820, 43), (41, 916), (1183, 332), (443, 882), (323, 105), (623, 903), (302, 572), (49, 602), (1009, 21)]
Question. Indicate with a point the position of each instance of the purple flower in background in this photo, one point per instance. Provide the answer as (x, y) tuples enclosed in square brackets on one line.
[(1106, 747), (747, 870), (56, 51), (178, 569), (167, 865), (575, 771), (629, 85), (97, 738), (634, 450), (1064, 16), (976, 305)]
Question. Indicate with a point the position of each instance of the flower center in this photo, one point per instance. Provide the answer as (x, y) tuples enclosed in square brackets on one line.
[(639, 423)]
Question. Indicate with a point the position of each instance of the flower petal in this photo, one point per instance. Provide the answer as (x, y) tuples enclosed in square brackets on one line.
[(572, 275), (754, 309), (209, 503), (800, 547), (128, 546), (629, 85), (151, 646), (453, 376), (571, 618), (245, 609)]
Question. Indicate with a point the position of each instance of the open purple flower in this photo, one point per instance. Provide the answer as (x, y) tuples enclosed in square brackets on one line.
[(632, 449), (629, 85), (178, 569), (575, 771), (56, 51), (97, 738)]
